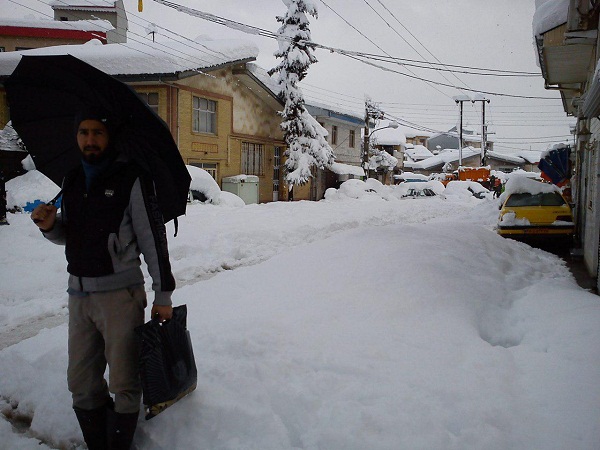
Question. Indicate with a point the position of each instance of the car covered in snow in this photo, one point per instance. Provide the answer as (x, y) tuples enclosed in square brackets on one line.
[(531, 209), (419, 193)]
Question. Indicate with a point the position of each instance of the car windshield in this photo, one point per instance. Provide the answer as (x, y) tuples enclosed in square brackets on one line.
[(541, 199)]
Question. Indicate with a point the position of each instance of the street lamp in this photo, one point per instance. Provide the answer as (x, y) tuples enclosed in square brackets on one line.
[(367, 140)]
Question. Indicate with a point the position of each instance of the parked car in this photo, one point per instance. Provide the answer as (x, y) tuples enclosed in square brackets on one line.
[(541, 215)]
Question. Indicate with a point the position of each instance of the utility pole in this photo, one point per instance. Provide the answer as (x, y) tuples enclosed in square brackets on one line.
[(483, 101), (460, 99), (366, 143)]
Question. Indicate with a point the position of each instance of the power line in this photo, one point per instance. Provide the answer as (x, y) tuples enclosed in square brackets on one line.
[(362, 34), (402, 37)]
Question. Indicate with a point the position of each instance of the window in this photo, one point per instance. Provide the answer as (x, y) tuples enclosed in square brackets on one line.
[(151, 99), (276, 172), (204, 115), (211, 168), (2, 49), (253, 156), (541, 199), (334, 135), (351, 139)]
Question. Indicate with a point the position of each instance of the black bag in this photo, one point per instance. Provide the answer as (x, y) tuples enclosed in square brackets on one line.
[(167, 366)]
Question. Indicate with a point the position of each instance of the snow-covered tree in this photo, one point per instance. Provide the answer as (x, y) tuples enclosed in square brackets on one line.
[(304, 136), (382, 160)]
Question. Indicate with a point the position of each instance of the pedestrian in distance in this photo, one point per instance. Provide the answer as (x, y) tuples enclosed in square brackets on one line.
[(109, 217)]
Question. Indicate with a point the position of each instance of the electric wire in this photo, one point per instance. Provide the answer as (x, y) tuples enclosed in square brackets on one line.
[(166, 29)]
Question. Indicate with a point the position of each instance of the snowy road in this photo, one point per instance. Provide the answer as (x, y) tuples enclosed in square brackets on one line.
[(34, 298), (340, 325)]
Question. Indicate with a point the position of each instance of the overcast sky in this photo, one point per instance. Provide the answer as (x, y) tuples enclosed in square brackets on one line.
[(488, 34)]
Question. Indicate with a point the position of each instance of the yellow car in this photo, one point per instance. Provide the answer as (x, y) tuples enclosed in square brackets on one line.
[(525, 215)]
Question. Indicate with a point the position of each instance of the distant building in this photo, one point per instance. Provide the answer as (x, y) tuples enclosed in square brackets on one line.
[(344, 128), (415, 153), (21, 34), (447, 160), (507, 162), (110, 10), (450, 139)]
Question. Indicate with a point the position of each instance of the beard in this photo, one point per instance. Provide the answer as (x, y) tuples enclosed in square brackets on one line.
[(93, 154)]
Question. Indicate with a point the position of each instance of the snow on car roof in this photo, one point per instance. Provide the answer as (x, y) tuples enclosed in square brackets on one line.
[(522, 185)]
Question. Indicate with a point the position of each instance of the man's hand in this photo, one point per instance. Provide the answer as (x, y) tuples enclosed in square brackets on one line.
[(162, 313), (44, 216)]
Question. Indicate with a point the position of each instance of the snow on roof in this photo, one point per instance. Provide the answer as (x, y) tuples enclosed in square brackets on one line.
[(79, 25), (549, 14), (445, 156), (262, 75), (519, 157), (411, 176), (147, 57), (387, 136), (412, 133), (522, 185), (67, 4), (336, 109), (417, 152)]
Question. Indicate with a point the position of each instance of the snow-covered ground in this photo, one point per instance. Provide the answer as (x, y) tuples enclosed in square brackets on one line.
[(351, 323)]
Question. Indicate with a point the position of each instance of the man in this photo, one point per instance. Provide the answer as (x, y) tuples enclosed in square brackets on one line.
[(108, 217)]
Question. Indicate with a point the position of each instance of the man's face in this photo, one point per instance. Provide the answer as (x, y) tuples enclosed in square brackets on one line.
[(92, 138)]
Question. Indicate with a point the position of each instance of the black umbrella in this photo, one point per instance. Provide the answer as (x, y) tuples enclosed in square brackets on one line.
[(45, 93)]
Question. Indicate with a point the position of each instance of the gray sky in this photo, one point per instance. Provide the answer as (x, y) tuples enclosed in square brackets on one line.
[(490, 34)]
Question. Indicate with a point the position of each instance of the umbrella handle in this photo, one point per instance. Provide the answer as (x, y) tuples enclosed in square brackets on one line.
[(54, 200)]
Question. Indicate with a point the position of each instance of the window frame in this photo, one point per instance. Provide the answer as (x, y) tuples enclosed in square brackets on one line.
[(252, 158), (198, 114)]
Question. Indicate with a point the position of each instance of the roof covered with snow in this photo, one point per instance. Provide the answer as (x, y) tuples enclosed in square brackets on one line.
[(346, 169), (519, 157), (88, 4), (417, 152), (549, 14), (445, 156), (79, 25), (387, 136), (147, 57)]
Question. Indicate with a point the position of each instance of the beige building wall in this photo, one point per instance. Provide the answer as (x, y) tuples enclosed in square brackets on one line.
[(241, 117)]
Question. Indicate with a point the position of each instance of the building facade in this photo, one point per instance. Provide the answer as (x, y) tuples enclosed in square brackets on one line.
[(567, 39)]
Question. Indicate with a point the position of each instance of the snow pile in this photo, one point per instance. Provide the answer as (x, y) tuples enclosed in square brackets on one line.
[(548, 15), (465, 189), (143, 57), (10, 140), (509, 219), (356, 189)]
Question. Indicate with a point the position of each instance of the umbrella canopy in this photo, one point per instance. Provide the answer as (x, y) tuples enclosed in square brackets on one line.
[(46, 93)]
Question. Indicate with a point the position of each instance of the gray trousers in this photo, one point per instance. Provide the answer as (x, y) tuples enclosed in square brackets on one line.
[(101, 332)]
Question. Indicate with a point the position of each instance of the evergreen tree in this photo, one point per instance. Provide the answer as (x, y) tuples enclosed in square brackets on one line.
[(304, 136)]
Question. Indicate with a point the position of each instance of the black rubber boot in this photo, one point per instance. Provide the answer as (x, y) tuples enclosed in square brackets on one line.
[(121, 428), (93, 426)]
